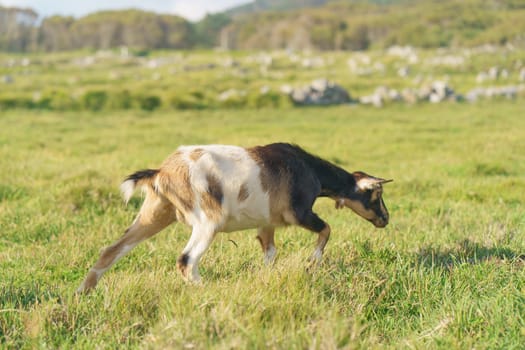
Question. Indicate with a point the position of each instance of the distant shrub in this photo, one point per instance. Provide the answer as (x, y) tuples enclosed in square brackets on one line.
[(233, 102), (10, 102), (232, 98), (141, 53), (94, 100), (193, 100), (7, 102), (198, 95), (267, 100), (60, 101), (149, 103), (120, 100)]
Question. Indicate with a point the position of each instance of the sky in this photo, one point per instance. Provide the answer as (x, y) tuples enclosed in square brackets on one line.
[(189, 9)]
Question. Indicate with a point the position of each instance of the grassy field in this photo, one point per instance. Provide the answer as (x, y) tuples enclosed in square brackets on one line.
[(174, 80), (448, 272)]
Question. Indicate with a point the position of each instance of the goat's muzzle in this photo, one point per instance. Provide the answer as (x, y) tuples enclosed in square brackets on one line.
[(379, 222)]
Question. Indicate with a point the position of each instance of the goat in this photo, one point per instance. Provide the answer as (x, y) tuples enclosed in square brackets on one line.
[(218, 188)]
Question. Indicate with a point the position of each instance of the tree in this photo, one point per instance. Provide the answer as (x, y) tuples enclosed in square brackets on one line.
[(17, 28), (55, 34)]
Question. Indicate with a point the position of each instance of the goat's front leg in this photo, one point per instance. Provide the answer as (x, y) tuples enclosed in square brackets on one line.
[(188, 262), (313, 223), (265, 237)]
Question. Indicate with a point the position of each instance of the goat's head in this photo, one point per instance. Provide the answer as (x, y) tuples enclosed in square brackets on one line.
[(366, 198)]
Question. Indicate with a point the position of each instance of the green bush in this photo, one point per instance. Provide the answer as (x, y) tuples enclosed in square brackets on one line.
[(60, 101), (94, 100), (120, 100), (149, 103), (10, 102), (267, 100), (233, 102), (194, 100)]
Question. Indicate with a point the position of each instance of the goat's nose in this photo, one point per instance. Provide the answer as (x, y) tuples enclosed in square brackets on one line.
[(380, 222)]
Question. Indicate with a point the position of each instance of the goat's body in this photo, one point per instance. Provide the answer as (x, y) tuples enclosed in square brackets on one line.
[(225, 175), (217, 188), (232, 187)]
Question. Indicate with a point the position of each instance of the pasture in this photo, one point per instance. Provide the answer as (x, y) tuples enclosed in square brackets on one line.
[(448, 272)]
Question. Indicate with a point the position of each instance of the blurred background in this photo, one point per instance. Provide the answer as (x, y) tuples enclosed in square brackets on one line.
[(429, 93), (265, 53), (27, 26)]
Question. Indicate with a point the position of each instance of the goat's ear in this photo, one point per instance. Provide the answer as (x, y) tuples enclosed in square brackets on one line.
[(366, 182)]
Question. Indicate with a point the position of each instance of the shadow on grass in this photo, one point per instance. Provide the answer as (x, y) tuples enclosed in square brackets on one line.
[(467, 252)]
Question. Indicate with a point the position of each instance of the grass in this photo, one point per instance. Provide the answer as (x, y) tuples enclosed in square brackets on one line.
[(171, 80), (448, 272)]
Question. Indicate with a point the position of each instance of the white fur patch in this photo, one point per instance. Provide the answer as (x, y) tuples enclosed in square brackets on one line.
[(234, 168), (269, 256), (367, 183), (127, 188), (317, 255), (370, 183)]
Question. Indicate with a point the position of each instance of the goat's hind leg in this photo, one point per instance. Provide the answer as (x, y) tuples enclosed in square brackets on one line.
[(188, 262), (155, 214), (265, 236)]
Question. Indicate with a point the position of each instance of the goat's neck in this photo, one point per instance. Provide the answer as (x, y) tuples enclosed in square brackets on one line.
[(335, 181)]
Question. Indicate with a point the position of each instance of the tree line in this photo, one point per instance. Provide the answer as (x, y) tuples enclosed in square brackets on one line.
[(336, 25), (21, 30)]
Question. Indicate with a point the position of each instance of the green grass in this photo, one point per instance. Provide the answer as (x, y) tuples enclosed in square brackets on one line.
[(173, 80), (448, 272)]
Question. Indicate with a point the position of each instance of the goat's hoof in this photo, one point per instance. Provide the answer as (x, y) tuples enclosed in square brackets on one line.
[(195, 280), (192, 279), (269, 261), (82, 290), (313, 264)]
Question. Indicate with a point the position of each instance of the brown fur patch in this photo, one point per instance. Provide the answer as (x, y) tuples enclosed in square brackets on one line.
[(108, 255), (275, 180), (358, 207), (90, 281), (243, 193), (211, 200), (182, 265), (376, 194), (265, 237), (196, 154), (156, 213), (324, 235), (174, 182), (257, 154)]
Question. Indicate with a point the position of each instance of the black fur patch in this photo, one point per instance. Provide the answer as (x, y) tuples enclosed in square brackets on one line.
[(312, 222), (183, 260), (214, 188), (142, 174), (333, 179)]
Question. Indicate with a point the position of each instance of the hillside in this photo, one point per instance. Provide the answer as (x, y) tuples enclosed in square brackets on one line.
[(274, 5), (359, 25), (258, 6), (272, 24)]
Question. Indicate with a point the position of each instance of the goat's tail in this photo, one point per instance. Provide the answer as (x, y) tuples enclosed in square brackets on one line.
[(141, 177)]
